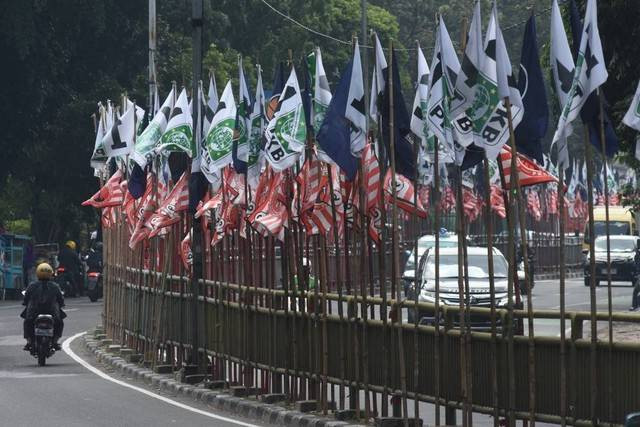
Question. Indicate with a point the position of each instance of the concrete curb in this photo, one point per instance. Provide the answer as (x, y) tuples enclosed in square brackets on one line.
[(222, 399)]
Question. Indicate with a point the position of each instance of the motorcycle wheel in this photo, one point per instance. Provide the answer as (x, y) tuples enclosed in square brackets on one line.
[(93, 295), (42, 352)]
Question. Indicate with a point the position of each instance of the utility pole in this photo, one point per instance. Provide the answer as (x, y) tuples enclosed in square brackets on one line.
[(196, 236)]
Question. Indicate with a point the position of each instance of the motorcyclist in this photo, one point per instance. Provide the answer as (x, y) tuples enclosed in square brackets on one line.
[(68, 258), (43, 297), (94, 257)]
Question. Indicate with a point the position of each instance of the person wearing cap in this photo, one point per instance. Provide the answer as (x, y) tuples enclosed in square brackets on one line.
[(43, 297)]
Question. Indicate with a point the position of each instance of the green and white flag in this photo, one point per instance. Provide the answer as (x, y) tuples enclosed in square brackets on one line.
[(467, 80), (421, 100), (286, 133), (321, 99), (441, 92), (494, 81), (243, 116), (632, 117), (256, 153), (99, 156), (590, 72), (179, 133), (144, 150), (219, 143)]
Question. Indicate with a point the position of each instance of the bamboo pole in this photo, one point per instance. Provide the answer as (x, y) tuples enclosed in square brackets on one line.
[(394, 241), (607, 230), (436, 314), (593, 367), (563, 337), (528, 280)]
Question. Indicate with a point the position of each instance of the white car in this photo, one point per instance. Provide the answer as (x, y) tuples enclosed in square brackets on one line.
[(425, 243), (479, 287)]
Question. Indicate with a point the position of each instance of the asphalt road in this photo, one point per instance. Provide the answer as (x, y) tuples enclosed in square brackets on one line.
[(64, 393)]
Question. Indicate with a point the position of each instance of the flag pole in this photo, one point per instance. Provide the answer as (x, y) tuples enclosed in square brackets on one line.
[(515, 179), (152, 55), (606, 210), (492, 291), (563, 337), (592, 285), (397, 309)]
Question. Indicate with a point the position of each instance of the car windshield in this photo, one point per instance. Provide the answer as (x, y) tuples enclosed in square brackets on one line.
[(617, 245), (620, 228), (431, 243), (478, 266)]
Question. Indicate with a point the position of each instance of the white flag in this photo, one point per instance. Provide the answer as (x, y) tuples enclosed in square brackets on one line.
[(119, 139), (146, 143), (217, 148), (179, 133), (243, 116), (355, 106), (377, 82), (562, 68), (590, 72), (286, 133), (321, 100), (99, 156), (421, 100)]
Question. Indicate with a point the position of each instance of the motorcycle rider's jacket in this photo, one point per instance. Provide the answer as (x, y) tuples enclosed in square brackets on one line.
[(43, 297), (69, 260)]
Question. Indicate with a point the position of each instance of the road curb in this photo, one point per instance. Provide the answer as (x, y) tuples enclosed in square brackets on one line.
[(221, 399)]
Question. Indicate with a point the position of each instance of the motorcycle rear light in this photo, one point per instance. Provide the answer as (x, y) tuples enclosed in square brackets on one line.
[(60, 269), (94, 274)]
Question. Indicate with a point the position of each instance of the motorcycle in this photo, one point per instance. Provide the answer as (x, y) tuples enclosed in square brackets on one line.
[(42, 347), (62, 278), (94, 285)]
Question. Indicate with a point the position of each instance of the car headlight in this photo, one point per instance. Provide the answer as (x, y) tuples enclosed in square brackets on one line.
[(503, 302), (428, 296)]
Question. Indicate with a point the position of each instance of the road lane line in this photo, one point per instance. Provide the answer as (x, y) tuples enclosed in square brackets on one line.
[(66, 347)]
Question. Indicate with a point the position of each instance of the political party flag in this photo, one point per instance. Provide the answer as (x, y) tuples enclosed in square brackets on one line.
[(404, 150), (178, 136), (444, 69), (420, 101), (529, 173), (467, 79), (632, 117), (494, 83), (146, 143), (255, 159), (218, 144), (343, 129), (286, 132), (211, 104), (99, 156), (169, 211), (321, 100), (535, 120), (119, 139), (378, 81), (590, 71), (110, 194), (562, 68)]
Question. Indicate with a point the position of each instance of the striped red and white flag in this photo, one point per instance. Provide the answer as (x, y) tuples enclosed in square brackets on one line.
[(533, 204), (185, 252), (448, 200), (497, 201), (169, 211), (552, 201), (271, 214), (529, 173), (405, 194), (471, 204), (146, 207), (110, 194)]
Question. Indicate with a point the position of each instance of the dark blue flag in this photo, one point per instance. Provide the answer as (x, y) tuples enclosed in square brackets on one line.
[(473, 155), (405, 156), (535, 120), (334, 136), (590, 113), (137, 181)]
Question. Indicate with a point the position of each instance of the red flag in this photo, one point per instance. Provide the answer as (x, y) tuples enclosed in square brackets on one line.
[(533, 204), (270, 216), (405, 193), (497, 201), (471, 204), (169, 211), (448, 200), (110, 194), (146, 208), (529, 173), (185, 251), (373, 190), (424, 192), (552, 201)]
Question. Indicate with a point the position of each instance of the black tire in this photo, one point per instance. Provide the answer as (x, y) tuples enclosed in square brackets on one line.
[(43, 348), (93, 295)]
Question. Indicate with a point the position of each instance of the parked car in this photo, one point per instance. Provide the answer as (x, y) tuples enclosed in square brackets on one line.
[(625, 259), (426, 242), (479, 286)]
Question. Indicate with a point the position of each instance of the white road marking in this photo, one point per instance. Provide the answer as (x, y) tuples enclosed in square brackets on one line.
[(10, 306), (66, 347), (30, 375)]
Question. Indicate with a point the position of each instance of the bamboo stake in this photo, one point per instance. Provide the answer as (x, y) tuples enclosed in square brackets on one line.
[(436, 314), (592, 287), (528, 280), (607, 224), (394, 242), (563, 337)]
